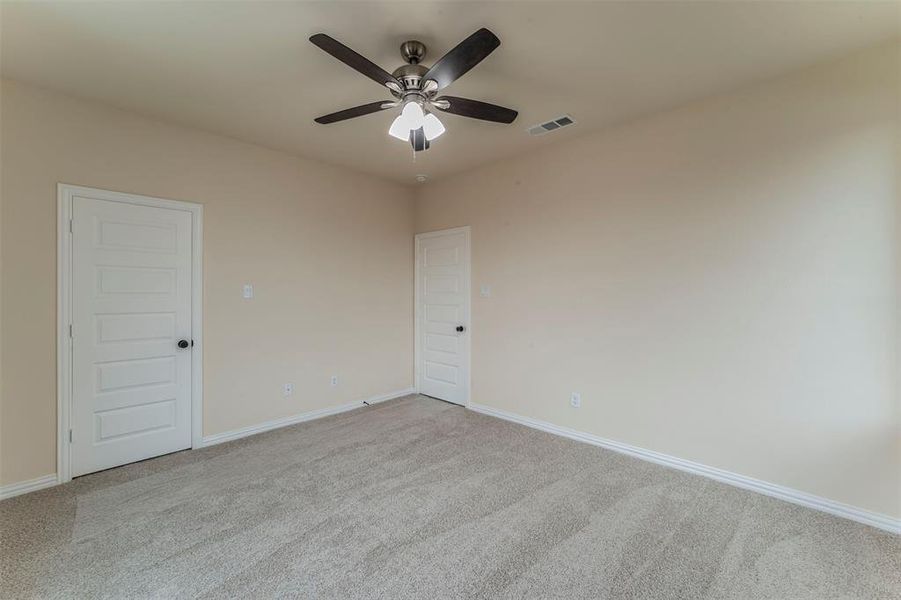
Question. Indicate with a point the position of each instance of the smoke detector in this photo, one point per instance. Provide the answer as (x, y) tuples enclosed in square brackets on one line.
[(552, 125), (421, 178)]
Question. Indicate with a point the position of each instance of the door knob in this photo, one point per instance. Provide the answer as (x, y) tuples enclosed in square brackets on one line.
[(183, 344), (460, 328)]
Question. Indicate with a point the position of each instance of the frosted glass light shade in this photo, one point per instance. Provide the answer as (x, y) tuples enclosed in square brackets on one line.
[(400, 129), (432, 127), (413, 115)]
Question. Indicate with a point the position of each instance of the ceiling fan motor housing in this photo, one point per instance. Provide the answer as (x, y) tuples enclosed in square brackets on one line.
[(410, 75)]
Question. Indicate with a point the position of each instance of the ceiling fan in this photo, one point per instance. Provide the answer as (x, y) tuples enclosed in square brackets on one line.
[(415, 87)]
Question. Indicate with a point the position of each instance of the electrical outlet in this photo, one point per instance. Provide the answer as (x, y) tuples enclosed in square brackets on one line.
[(575, 400), (288, 389), (334, 380)]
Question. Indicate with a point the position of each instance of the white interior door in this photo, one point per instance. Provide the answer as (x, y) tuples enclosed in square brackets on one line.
[(442, 313), (131, 306)]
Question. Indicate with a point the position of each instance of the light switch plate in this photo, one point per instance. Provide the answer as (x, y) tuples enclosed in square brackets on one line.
[(248, 291), (485, 291)]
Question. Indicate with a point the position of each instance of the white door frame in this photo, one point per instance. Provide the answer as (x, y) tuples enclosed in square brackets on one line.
[(467, 279), (66, 193)]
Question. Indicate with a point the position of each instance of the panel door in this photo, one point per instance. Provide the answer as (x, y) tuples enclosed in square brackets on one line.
[(131, 305), (443, 266)]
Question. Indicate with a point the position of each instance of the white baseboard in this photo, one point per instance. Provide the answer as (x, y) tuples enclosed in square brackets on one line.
[(23, 487), (236, 434), (832, 507)]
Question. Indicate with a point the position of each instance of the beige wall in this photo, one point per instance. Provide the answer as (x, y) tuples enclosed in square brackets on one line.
[(329, 253), (720, 282)]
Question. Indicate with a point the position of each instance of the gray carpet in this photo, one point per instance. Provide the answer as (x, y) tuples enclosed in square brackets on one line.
[(416, 498)]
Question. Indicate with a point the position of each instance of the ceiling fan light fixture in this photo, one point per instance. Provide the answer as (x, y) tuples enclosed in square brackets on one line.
[(432, 127), (410, 119)]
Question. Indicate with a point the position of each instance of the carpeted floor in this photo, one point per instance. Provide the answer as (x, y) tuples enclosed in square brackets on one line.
[(416, 498)]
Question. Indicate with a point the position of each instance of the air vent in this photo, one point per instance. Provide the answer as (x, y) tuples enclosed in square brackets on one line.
[(551, 125)]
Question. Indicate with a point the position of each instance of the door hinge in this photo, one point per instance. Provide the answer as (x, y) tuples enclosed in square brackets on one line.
[(70, 330), (70, 436), (70, 225)]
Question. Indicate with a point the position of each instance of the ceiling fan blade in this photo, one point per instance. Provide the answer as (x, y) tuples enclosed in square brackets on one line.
[(355, 61), (462, 58), (474, 109), (356, 111)]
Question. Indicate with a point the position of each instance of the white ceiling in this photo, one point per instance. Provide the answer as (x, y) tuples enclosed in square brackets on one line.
[(246, 69)]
